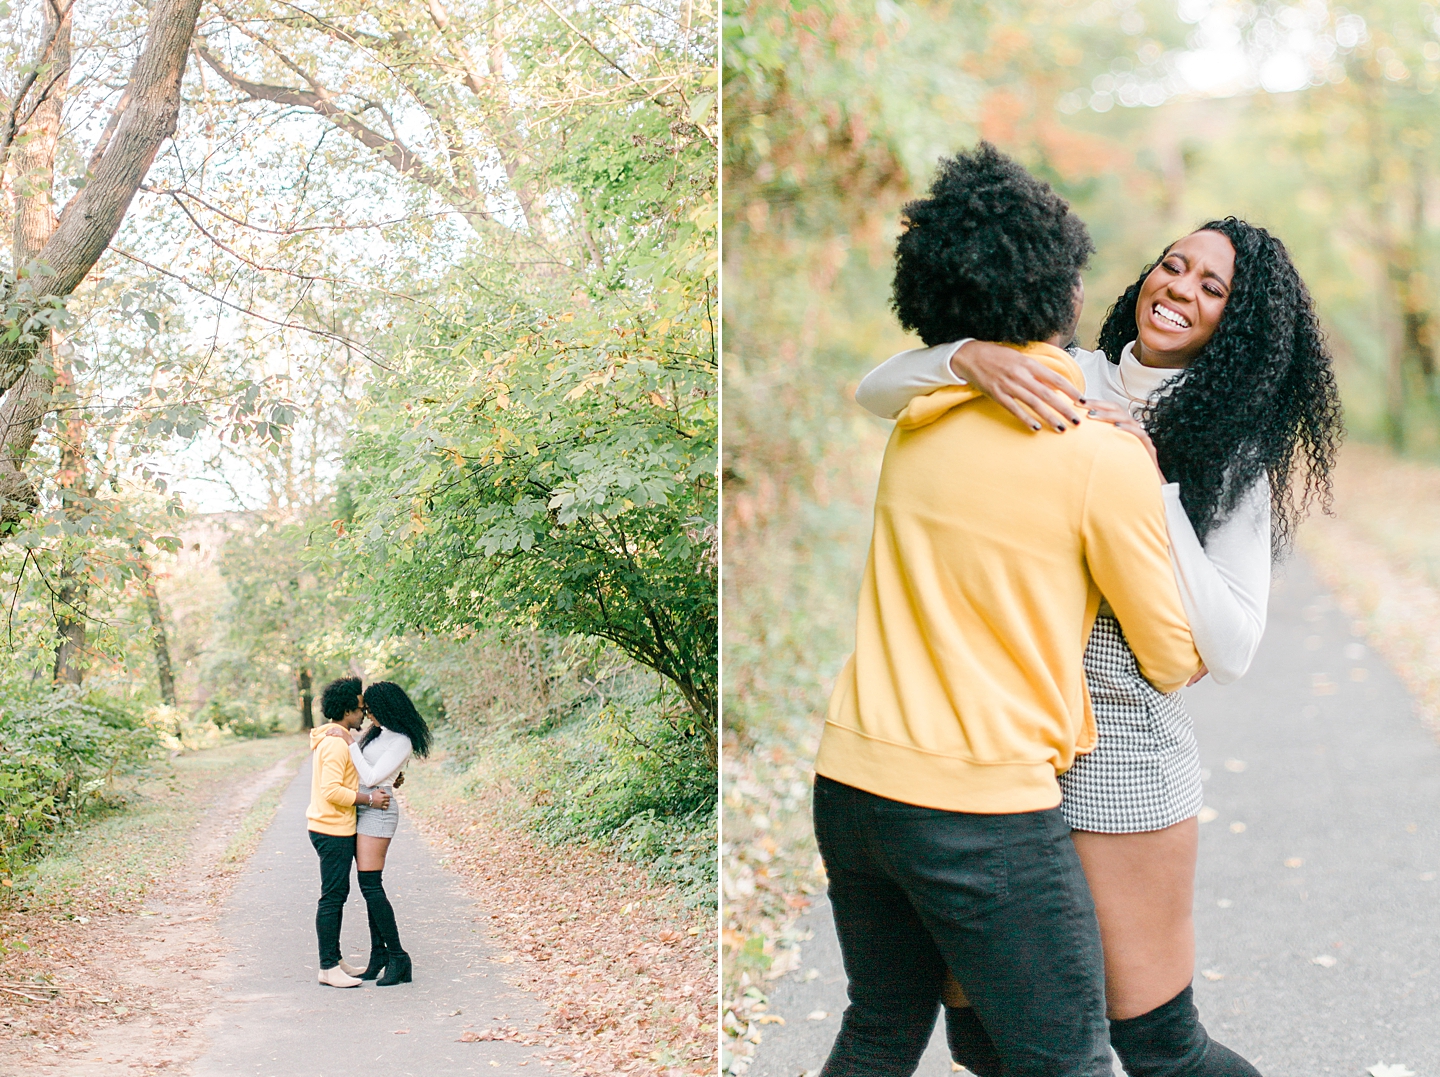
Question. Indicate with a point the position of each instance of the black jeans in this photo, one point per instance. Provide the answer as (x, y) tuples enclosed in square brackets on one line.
[(336, 856), (999, 899)]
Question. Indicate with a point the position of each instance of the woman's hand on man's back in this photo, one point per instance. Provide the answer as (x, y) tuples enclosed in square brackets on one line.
[(1020, 383)]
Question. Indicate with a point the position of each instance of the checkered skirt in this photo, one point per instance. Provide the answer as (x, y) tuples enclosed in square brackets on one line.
[(1144, 772)]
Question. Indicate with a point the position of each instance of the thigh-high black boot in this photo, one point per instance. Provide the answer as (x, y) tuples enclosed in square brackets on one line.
[(1170, 1041), (382, 917)]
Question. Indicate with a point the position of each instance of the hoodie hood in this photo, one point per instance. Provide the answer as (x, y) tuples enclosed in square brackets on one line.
[(317, 735), (924, 410)]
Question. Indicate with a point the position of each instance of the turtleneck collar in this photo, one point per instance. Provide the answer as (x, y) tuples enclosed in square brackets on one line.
[(1134, 380)]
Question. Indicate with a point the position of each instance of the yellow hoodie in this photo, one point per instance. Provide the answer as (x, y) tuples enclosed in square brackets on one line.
[(333, 785), (992, 548)]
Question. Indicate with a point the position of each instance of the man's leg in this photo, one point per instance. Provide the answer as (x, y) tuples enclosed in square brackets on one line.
[(1005, 900), (336, 855), (892, 964)]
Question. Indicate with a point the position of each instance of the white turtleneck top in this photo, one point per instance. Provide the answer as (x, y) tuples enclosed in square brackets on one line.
[(1224, 584), (384, 756)]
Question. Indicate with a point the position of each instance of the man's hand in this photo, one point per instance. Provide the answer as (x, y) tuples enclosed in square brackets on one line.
[(379, 799), (1120, 418), (1020, 383), (338, 731), (1198, 677)]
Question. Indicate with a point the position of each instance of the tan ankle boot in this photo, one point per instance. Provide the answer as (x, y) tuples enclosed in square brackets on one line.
[(338, 977), (351, 970)]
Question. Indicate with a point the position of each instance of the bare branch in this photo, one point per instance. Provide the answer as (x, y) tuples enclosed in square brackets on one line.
[(338, 338), (394, 152)]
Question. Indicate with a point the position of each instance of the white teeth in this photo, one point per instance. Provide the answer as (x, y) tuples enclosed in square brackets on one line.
[(1171, 316)]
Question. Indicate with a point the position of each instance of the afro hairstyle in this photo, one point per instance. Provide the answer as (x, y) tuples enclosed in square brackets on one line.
[(340, 697), (992, 253)]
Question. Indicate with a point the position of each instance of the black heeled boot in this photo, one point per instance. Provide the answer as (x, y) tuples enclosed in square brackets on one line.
[(377, 949), (382, 919), (397, 971), (1170, 1041)]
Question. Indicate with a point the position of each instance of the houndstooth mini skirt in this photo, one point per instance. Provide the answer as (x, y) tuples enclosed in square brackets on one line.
[(1144, 772), (376, 822)]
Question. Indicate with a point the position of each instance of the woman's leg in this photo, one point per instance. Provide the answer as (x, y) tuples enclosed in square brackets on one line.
[(370, 852), (1144, 890), (370, 859)]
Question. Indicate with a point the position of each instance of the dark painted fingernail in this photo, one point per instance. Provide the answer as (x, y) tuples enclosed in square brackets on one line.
[(1082, 400), (1076, 420), (1061, 427), (1034, 426)]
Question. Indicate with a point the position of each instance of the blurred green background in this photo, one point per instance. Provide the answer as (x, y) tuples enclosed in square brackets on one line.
[(1314, 120)]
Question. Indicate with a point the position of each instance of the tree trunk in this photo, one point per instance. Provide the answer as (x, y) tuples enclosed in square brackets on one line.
[(70, 647), (307, 699), (1383, 243), (75, 502), (158, 638), (70, 247)]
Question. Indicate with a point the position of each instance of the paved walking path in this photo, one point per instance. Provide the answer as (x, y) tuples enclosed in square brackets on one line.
[(1318, 901), (274, 1020)]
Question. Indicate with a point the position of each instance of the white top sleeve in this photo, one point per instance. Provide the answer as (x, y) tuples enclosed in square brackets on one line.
[(900, 379), (1225, 584), (390, 756)]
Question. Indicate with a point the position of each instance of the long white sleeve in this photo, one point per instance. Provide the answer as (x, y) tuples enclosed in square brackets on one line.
[(894, 383), (1225, 584), (389, 752)]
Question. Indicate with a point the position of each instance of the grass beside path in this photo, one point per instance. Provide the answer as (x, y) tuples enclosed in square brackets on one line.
[(625, 969), (96, 878), (1380, 553)]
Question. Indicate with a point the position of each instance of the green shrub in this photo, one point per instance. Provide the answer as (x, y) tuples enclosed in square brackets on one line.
[(241, 719), (60, 749)]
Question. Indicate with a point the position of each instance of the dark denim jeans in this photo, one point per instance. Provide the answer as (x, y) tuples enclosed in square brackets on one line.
[(1000, 899), (336, 856)]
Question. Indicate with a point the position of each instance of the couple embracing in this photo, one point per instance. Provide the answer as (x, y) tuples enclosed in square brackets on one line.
[(1007, 783), (353, 816)]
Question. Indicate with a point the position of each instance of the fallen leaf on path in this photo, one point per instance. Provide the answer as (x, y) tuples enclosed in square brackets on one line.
[(1235, 766), (1208, 814), (402, 1032), (1382, 1070), (1325, 961), (769, 1019), (468, 1037), (1294, 862), (817, 1015), (1213, 974)]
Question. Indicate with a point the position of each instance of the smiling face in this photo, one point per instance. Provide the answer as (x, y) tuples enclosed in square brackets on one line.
[(1183, 298)]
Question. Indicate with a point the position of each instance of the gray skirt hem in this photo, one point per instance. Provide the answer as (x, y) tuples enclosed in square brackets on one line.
[(373, 822)]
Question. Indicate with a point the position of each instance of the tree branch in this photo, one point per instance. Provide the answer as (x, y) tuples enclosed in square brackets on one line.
[(395, 153)]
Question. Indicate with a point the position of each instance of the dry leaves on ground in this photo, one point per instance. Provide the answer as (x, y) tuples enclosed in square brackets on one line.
[(626, 972)]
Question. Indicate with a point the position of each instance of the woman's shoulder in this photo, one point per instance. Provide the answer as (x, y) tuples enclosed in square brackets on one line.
[(390, 736), (1092, 365)]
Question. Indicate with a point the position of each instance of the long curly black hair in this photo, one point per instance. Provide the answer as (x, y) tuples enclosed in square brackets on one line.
[(992, 253), (1259, 399), (391, 708)]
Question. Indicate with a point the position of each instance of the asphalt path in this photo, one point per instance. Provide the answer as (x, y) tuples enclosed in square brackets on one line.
[(272, 1018), (1317, 897)]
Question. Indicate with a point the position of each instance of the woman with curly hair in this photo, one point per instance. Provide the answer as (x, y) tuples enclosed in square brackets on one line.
[(397, 731), (1220, 368)]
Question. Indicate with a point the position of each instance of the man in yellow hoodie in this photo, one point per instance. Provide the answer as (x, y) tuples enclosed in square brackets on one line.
[(936, 801), (334, 786)]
